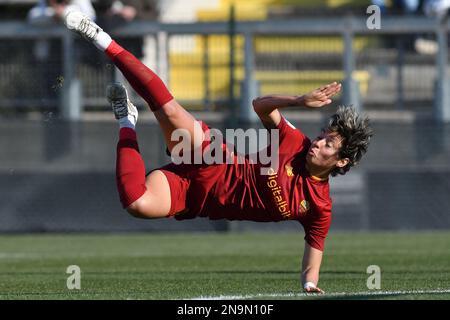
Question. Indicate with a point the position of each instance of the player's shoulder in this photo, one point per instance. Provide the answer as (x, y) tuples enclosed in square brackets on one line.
[(285, 121), (292, 139)]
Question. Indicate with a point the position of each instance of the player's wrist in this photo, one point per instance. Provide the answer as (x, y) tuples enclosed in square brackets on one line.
[(309, 285), (300, 101)]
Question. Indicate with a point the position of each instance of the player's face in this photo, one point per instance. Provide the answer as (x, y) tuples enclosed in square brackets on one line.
[(324, 151)]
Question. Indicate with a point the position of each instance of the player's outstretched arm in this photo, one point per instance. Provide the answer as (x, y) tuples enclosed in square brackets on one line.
[(322, 96), (312, 259), (266, 106)]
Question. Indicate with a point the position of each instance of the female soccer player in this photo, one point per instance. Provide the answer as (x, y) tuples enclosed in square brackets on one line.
[(297, 189)]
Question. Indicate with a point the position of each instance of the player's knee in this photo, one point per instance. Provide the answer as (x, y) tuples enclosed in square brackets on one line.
[(135, 213), (143, 209), (136, 209)]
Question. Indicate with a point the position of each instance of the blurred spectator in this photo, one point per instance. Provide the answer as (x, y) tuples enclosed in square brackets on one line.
[(400, 6), (115, 13), (432, 9), (49, 11), (122, 11), (381, 4), (437, 8), (424, 44), (47, 53), (407, 6)]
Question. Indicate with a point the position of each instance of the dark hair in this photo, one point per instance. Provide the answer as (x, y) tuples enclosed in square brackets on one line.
[(356, 133)]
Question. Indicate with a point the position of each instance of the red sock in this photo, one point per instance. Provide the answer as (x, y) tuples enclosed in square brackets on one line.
[(130, 168), (146, 83)]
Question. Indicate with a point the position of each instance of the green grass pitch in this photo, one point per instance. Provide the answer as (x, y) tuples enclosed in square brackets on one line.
[(228, 265)]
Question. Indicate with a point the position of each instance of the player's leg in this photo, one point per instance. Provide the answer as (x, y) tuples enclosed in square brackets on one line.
[(142, 197), (148, 85), (173, 116), (169, 113)]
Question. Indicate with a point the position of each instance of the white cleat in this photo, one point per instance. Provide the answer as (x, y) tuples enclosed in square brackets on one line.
[(82, 24), (122, 107)]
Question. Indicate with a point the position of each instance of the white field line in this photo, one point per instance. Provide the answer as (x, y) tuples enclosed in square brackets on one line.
[(47, 255), (7, 255), (373, 293)]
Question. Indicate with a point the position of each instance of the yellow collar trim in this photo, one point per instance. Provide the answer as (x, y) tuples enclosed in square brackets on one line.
[(317, 178)]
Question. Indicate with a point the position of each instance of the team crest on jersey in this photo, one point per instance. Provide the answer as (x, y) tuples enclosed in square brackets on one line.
[(304, 206), (289, 171)]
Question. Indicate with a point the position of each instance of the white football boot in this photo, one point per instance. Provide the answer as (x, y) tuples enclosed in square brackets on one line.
[(82, 24), (122, 107)]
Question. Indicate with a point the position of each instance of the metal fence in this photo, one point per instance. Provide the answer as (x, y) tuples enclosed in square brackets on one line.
[(50, 168), (211, 66), (58, 176)]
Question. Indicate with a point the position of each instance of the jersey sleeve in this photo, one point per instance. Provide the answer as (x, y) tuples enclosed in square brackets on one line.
[(290, 138), (316, 229)]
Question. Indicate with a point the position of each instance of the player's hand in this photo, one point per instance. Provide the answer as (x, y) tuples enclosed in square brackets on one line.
[(321, 96), (313, 290)]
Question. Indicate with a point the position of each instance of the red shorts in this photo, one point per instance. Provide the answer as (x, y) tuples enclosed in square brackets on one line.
[(190, 183)]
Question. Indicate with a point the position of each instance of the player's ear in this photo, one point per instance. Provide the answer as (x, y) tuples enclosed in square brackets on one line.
[(342, 162)]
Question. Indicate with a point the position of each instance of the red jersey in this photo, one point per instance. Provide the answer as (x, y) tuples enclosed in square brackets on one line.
[(240, 192)]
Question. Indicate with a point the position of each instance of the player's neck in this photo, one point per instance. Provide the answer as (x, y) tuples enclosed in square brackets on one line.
[(317, 173)]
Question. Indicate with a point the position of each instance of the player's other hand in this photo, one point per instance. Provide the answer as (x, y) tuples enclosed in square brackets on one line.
[(321, 96), (313, 290)]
